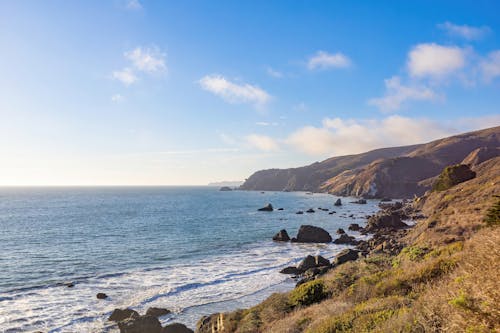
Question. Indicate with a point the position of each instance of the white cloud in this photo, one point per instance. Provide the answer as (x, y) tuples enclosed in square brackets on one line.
[(265, 123), (338, 136), (149, 60), (262, 142), (490, 66), (117, 98), (325, 60), (234, 92), (464, 31), (398, 94), (126, 76), (435, 61), (133, 5), (274, 73)]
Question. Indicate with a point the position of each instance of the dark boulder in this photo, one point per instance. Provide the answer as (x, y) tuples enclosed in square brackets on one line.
[(354, 227), (157, 312), (281, 236), (312, 262), (300, 212), (340, 231), (266, 208), (453, 175), (345, 239), (101, 296), (176, 328), (345, 256), (280, 208), (310, 210), (225, 188), (291, 270), (312, 234), (122, 314), (338, 202), (141, 324), (360, 201), (384, 221)]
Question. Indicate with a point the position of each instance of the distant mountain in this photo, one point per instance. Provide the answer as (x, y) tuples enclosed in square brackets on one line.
[(398, 172), (227, 183)]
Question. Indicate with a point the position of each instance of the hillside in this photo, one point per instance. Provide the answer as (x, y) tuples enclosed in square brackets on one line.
[(442, 276), (399, 172)]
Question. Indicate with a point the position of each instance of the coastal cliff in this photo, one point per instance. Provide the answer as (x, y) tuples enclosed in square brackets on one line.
[(400, 172), (441, 275)]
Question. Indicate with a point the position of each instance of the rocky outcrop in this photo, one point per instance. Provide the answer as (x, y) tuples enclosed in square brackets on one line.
[(453, 175), (345, 256), (384, 220), (345, 239), (141, 324), (281, 236), (311, 262), (176, 328), (122, 314), (340, 231), (354, 227), (312, 234), (266, 208), (225, 189), (157, 312), (291, 270), (338, 202)]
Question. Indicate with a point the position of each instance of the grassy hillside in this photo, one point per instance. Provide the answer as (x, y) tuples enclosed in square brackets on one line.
[(444, 279)]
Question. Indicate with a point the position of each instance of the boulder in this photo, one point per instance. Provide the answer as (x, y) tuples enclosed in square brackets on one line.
[(453, 175), (176, 328), (340, 231), (291, 270), (225, 188), (338, 203), (280, 208), (310, 210), (345, 256), (384, 221), (345, 239), (101, 296), (354, 227), (332, 212), (312, 234), (300, 212), (157, 312), (312, 262), (141, 324), (122, 314), (360, 201), (281, 236), (69, 284), (266, 208)]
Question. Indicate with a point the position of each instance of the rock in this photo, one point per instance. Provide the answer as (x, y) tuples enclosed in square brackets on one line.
[(176, 328), (280, 208), (345, 256), (120, 315), (266, 208), (354, 227), (384, 221), (101, 296), (351, 215), (312, 262), (360, 201), (141, 324), (338, 202), (281, 236), (345, 239), (300, 212), (211, 324), (340, 231), (453, 175), (69, 284), (320, 261), (225, 188), (332, 212), (385, 200), (310, 210), (157, 312), (291, 270), (312, 234)]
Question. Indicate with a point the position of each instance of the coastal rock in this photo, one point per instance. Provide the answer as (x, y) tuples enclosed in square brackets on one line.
[(354, 227), (266, 208), (345, 239), (345, 256), (300, 212), (157, 312), (176, 328), (281, 236), (101, 296), (310, 210), (122, 314), (385, 200), (312, 262), (338, 203), (332, 212), (453, 175), (280, 209), (340, 231), (384, 221), (360, 201), (312, 234), (291, 270), (211, 324), (141, 324), (69, 284), (225, 188)]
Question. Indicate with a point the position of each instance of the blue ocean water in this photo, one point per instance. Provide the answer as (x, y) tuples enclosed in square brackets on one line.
[(195, 250)]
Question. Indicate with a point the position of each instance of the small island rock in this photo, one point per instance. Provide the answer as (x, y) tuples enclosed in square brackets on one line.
[(266, 208), (312, 234), (281, 236)]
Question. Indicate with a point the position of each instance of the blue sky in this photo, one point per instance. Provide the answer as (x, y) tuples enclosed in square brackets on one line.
[(187, 92)]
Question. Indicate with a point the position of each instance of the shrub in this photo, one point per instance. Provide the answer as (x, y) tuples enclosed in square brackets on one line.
[(308, 293), (492, 217), (453, 175)]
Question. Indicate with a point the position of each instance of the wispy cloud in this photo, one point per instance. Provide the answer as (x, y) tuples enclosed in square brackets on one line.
[(274, 73), (126, 76), (133, 5), (435, 61), (262, 142), (265, 123), (398, 94), (464, 31), (490, 66), (325, 60), (233, 92)]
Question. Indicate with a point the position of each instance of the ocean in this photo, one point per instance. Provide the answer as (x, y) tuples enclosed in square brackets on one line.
[(193, 250)]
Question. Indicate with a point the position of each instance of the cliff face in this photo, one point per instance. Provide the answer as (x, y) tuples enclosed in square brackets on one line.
[(399, 172)]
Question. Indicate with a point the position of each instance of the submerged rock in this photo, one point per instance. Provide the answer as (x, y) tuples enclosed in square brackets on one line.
[(281, 236), (300, 212), (312, 234), (157, 312), (354, 227), (266, 208), (122, 314)]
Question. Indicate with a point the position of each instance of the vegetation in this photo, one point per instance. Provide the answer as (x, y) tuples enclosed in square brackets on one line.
[(308, 293), (453, 175), (492, 217)]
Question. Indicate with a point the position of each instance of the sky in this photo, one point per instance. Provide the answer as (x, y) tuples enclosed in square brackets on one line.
[(142, 92)]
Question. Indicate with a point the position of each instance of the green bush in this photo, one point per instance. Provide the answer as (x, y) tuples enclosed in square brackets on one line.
[(492, 217), (308, 293)]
